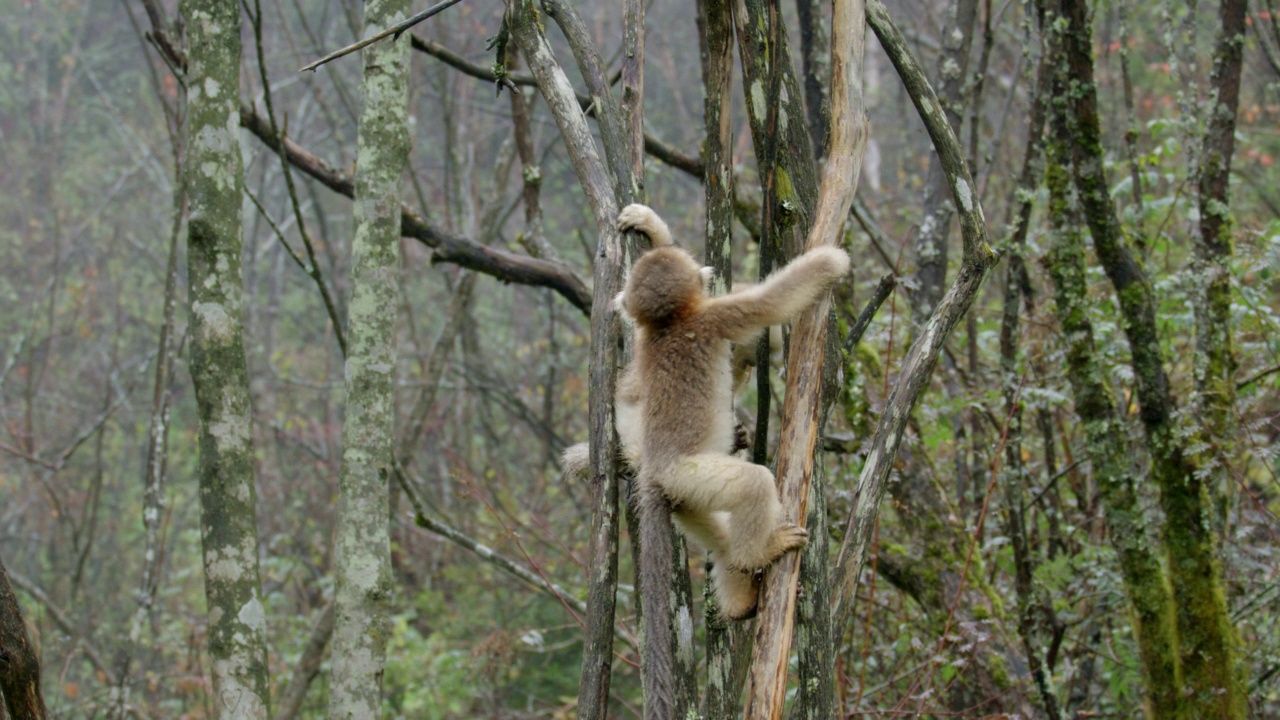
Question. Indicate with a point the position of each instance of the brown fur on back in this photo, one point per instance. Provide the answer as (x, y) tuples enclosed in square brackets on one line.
[(681, 360)]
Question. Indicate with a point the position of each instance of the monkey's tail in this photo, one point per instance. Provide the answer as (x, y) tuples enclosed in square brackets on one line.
[(657, 658), (575, 461)]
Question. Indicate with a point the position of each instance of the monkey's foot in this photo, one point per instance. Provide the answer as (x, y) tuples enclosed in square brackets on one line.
[(785, 538), (740, 439)]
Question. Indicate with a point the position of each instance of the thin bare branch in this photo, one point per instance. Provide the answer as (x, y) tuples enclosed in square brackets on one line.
[(923, 355), (393, 30), (501, 264), (652, 145)]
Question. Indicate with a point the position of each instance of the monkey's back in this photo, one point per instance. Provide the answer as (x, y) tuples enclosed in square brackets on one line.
[(687, 377)]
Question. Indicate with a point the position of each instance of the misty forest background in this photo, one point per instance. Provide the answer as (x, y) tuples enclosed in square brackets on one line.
[(996, 582)]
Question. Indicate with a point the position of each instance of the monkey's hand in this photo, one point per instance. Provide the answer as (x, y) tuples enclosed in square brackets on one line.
[(831, 263), (642, 218)]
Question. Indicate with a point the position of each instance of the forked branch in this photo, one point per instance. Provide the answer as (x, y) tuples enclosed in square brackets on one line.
[(918, 365), (847, 141)]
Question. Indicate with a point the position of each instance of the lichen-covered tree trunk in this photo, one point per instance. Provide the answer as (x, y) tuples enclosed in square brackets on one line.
[(777, 119), (363, 553), (1214, 364), (1107, 446), (237, 623), (1211, 669)]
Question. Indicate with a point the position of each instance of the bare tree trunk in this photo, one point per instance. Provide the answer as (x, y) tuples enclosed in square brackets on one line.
[(923, 355), (362, 556), (1214, 362), (604, 188), (846, 142), (1035, 611), (935, 227), (237, 620), (157, 461), (727, 644), (815, 47)]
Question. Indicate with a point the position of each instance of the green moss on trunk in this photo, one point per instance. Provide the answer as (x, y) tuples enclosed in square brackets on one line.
[(1106, 444), (1211, 668)]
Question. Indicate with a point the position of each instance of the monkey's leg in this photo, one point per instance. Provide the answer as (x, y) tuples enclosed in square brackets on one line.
[(709, 529), (714, 482), (737, 591)]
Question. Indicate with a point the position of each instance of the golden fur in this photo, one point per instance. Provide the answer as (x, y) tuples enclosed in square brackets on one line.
[(681, 379)]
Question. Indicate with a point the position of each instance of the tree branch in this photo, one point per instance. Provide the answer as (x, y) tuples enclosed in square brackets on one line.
[(918, 365), (393, 30), (652, 145), (847, 139), (501, 264)]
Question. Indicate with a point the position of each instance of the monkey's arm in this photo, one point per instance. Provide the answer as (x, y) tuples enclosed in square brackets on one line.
[(779, 298), (642, 218)]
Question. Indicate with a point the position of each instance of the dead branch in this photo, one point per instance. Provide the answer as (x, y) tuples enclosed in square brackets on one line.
[(918, 365), (393, 30), (501, 264)]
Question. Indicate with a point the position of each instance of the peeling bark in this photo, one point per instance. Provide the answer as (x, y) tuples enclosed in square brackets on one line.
[(802, 410)]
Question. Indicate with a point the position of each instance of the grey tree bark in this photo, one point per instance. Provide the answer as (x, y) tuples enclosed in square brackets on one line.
[(237, 622), (363, 553)]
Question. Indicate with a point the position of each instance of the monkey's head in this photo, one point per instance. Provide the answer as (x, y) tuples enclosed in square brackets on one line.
[(665, 284)]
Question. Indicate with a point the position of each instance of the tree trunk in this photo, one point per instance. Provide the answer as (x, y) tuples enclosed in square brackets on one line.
[(19, 659), (1214, 362), (803, 412), (935, 227), (1211, 669), (1035, 610), (363, 551), (1109, 453), (237, 622)]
